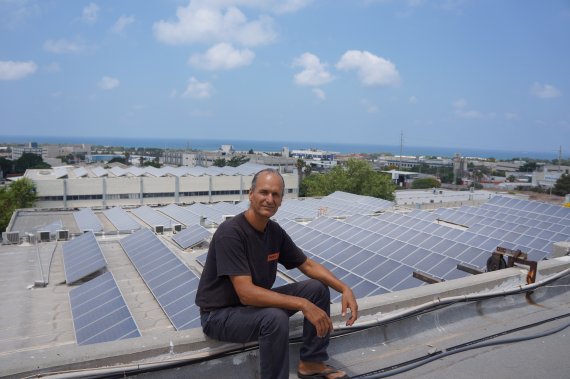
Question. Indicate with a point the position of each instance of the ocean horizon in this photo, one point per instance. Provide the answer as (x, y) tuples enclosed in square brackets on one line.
[(276, 146)]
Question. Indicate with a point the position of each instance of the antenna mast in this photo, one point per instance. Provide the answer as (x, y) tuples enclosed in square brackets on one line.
[(401, 148)]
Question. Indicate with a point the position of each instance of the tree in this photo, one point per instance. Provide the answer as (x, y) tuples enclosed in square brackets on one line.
[(357, 177), (219, 162), (528, 167), (250, 151), (29, 160), (426, 183), (5, 165), (236, 161), (118, 160), (19, 194), (562, 185)]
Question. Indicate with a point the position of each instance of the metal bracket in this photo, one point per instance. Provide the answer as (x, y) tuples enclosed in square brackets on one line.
[(497, 261)]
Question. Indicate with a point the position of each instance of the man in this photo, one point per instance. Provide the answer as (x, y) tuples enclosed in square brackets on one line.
[(237, 302)]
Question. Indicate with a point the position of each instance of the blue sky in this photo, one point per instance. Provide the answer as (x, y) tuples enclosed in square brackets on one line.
[(452, 73)]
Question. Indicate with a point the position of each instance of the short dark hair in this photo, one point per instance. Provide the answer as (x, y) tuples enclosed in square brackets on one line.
[(271, 171)]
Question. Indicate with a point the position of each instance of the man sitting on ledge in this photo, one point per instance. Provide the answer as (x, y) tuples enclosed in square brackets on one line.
[(237, 303)]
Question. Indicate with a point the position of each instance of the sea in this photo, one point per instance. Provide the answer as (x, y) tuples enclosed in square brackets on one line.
[(277, 146)]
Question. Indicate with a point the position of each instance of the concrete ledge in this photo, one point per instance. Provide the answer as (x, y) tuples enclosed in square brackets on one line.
[(171, 345)]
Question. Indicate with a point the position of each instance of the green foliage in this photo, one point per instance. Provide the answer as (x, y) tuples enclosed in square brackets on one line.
[(527, 167), (424, 183), (250, 151), (562, 186), (19, 194), (118, 160), (219, 162), (153, 163), (357, 177), (5, 165), (237, 160), (29, 160)]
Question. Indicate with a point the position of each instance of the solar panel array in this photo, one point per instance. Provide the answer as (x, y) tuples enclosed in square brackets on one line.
[(87, 220), (181, 215), (530, 226), (121, 219), (152, 217), (100, 313), (191, 236), (170, 281), (336, 204), (212, 215), (377, 255), (82, 256)]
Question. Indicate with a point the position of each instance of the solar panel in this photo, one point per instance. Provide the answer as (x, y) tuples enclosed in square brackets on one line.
[(82, 256), (213, 215), (152, 217), (87, 220), (121, 219), (181, 215), (191, 236), (100, 313), (170, 281)]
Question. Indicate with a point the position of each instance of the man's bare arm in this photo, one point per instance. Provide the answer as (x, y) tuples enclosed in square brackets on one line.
[(317, 271)]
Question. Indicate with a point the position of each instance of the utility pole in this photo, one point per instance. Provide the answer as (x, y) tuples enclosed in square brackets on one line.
[(559, 158)]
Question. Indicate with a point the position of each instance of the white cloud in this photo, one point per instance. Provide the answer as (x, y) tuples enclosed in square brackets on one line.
[(202, 22), (122, 23), (319, 93), (108, 83), (222, 56), (545, 91), (198, 90), (63, 46), (16, 13), (90, 12), (370, 108), (314, 72), (372, 70), (10, 70), (461, 111), (511, 116), (413, 99)]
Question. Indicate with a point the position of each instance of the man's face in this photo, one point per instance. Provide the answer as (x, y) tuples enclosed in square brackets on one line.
[(266, 198)]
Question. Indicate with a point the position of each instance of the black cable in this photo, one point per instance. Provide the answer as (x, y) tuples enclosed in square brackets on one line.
[(476, 344)]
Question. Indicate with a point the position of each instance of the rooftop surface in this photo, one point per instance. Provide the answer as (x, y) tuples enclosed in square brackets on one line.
[(38, 337)]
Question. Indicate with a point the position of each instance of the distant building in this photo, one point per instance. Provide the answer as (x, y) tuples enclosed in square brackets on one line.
[(546, 176), (95, 186), (313, 154), (32, 148)]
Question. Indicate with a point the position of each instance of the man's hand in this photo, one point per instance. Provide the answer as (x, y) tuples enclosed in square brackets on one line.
[(318, 318), (349, 302)]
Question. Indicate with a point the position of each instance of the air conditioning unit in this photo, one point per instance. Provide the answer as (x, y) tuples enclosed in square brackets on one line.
[(177, 228), (11, 238), (159, 229), (62, 235), (44, 236)]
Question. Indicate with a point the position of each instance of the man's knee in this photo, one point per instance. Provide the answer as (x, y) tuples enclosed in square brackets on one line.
[(318, 290), (274, 321)]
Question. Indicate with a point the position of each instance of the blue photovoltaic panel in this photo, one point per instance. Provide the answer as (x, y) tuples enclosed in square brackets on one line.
[(82, 256), (152, 217), (181, 215), (87, 220), (170, 281), (191, 236), (121, 219), (100, 313)]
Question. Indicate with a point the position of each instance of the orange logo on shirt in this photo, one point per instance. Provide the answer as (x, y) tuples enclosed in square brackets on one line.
[(273, 257)]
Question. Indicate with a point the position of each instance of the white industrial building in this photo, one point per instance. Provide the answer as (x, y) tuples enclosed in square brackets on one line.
[(72, 187)]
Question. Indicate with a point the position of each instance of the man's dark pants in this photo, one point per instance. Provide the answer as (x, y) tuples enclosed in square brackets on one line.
[(271, 327)]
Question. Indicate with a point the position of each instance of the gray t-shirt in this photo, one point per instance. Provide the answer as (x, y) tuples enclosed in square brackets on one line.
[(239, 249)]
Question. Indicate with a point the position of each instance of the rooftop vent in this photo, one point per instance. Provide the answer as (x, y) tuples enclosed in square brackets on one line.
[(10, 238)]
